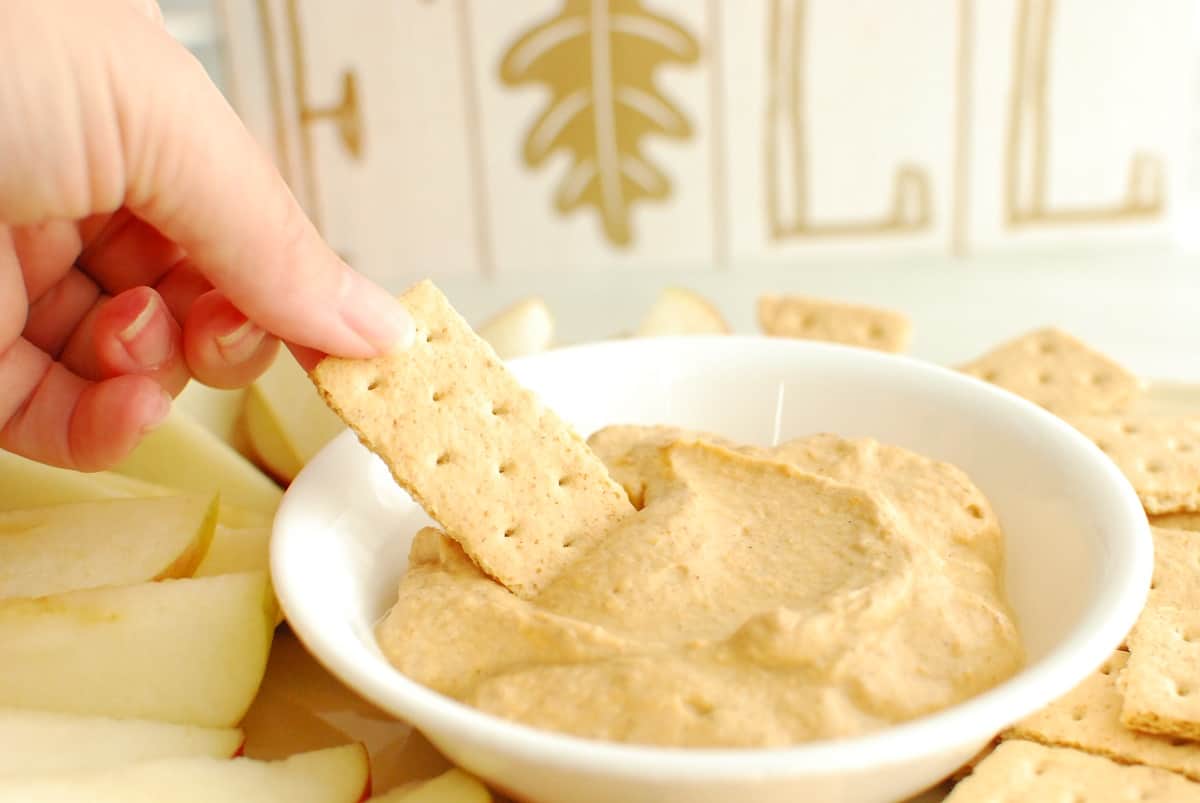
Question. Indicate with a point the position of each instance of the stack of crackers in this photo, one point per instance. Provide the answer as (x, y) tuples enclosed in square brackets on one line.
[(1131, 731)]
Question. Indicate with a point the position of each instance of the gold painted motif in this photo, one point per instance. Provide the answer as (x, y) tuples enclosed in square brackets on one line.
[(963, 100), (345, 113), (789, 212), (1027, 149), (598, 58)]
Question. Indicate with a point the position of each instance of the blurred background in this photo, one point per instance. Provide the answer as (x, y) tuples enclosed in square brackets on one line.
[(985, 166)]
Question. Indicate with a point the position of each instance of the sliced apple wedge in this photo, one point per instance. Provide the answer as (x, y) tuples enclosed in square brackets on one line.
[(452, 786), (37, 742), (526, 327), (272, 450), (682, 312), (182, 454), (334, 775), (186, 651), (236, 549), (24, 484), (109, 543), (49, 550), (239, 549), (285, 419), (218, 411)]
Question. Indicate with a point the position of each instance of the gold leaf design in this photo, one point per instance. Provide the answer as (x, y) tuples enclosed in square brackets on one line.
[(1026, 183), (598, 59)]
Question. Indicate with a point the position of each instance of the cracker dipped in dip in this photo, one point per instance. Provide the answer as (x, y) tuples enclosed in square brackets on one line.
[(657, 586), (757, 597)]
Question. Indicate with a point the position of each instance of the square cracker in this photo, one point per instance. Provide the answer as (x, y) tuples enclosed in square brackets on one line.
[(1160, 456), (1024, 772), (1176, 580), (1088, 718), (1161, 682), (834, 321), (512, 483), (1059, 372), (1178, 521)]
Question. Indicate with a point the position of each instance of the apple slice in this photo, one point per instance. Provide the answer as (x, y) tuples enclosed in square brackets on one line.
[(218, 411), (38, 742), (272, 450), (682, 312), (526, 327), (184, 455), (187, 651), (26, 484), (452, 786), (236, 549), (49, 550), (334, 775), (239, 549), (285, 419)]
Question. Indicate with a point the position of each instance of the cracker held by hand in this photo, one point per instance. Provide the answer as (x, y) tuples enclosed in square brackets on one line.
[(1161, 682), (1088, 718), (515, 486), (1059, 372), (1019, 772), (834, 322)]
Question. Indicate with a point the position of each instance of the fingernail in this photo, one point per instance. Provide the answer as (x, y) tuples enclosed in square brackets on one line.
[(157, 413), (147, 339), (377, 317), (239, 344)]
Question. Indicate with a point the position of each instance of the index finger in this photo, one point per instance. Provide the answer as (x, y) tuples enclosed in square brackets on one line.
[(196, 174)]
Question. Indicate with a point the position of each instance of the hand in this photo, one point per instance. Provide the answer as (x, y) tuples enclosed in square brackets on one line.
[(144, 237)]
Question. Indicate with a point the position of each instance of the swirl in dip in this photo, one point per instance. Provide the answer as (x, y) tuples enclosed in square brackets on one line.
[(758, 597)]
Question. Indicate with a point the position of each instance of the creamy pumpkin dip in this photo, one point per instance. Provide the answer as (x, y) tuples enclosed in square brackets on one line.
[(758, 597)]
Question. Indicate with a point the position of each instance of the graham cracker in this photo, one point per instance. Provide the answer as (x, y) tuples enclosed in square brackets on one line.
[(1059, 372), (1088, 718), (1178, 521), (834, 321), (1161, 682), (974, 761), (1176, 580), (1023, 772), (506, 477), (1159, 455)]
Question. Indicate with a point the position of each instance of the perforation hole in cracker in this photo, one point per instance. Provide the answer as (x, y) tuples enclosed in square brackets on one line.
[(454, 426), (1055, 370)]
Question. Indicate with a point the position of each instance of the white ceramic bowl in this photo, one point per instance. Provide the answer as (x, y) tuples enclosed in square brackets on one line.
[(1079, 558)]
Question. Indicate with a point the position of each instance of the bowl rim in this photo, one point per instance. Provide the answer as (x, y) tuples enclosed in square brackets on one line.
[(1090, 642)]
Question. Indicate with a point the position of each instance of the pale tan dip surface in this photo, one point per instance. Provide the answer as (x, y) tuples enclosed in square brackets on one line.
[(759, 597)]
